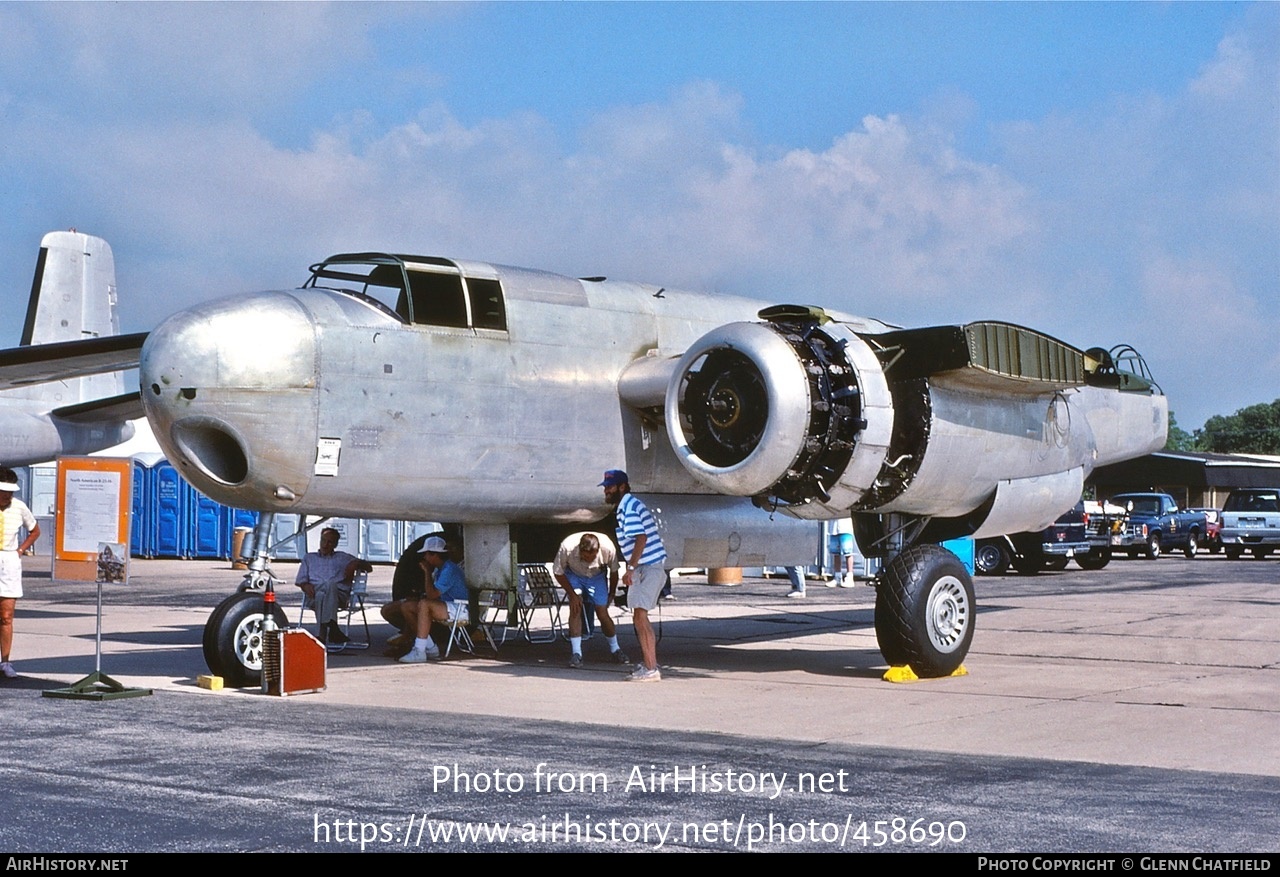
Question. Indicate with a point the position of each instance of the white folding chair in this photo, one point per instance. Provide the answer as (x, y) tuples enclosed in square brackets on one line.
[(459, 621), (538, 590)]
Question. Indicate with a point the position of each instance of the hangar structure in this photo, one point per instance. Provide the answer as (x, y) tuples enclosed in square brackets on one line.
[(1195, 480)]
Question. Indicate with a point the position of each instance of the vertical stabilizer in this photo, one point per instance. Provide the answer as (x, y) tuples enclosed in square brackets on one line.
[(73, 297), (73, 294)]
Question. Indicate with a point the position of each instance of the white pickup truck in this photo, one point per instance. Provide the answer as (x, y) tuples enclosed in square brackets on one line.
[(1251, 520)]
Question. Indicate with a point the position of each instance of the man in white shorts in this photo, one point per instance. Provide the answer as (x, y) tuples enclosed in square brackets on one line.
[(443, 598), (645, 555), (14, 515)]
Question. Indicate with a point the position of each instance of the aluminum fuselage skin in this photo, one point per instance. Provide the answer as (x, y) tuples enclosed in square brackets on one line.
[(312, 400)]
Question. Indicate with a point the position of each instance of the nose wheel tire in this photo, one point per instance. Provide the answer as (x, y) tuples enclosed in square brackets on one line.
[(233, 639), (925, 610)]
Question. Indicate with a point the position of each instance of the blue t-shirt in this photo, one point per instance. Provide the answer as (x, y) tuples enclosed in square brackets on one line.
[(450, 583)]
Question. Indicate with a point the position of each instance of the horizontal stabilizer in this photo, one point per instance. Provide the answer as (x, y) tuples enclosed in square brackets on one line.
[(23, 366), (127, 406)]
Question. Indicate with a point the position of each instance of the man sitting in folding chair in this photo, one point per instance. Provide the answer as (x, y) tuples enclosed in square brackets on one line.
[(444, 600), (587, 564), (325, 577)]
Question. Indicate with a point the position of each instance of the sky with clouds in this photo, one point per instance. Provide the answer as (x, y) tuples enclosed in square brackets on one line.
[(1103, 172)]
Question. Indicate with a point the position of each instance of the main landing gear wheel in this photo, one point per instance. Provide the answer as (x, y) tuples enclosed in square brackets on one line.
[(233, 638), (925, 611)]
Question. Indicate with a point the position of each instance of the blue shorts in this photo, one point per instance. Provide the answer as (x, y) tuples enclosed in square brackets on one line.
[(594, 590), (840, 543)]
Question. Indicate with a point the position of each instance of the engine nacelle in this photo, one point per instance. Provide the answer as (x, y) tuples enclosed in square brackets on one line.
[(794, 410)]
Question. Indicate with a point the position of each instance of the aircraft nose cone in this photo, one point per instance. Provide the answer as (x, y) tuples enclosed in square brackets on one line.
[(222, 382)]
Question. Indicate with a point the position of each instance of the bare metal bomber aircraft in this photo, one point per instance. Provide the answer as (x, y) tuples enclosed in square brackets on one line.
[(432, 389), (58, 393)]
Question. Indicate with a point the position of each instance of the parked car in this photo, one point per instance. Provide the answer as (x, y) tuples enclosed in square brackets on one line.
[(1251, 520), (1028, 553), (1212, 539), (1155, 524)]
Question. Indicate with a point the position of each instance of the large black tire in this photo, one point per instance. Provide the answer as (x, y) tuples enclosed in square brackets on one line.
[(1152, 551), (990, 559), (925, 611), (233, 639), (1056, 562), (1193, 544), (1096, 558)]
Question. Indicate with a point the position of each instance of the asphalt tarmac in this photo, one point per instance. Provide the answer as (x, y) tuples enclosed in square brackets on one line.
[(1132, 709)]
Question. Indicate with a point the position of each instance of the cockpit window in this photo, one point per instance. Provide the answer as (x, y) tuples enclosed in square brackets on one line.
[(415, 289), (380, 285), (487, 309), (438, 299)]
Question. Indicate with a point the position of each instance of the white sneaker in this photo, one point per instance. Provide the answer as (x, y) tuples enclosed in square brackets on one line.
[(847, 583), (420, 656), (795, 594), (837, 582), (6, 670), (644, 674)]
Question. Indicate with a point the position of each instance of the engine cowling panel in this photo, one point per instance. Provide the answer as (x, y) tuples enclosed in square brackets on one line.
[(794, 411)]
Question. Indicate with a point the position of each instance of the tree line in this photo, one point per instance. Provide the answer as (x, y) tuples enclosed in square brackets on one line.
[(1251, 430)]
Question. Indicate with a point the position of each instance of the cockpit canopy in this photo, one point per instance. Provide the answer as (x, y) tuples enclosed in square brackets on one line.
[(423, 290)]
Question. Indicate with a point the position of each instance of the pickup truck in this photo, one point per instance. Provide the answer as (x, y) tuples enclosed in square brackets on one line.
[(1251, 519), (1154, 523)]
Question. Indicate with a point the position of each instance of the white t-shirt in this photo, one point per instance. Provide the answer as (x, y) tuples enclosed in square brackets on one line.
[(13, 519)]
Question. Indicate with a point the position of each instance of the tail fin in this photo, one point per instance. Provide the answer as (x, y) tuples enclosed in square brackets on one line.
[(73, 294), (73, 297)]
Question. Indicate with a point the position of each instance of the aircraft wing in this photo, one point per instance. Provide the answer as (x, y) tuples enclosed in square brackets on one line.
[(41, 363), (127, 406)]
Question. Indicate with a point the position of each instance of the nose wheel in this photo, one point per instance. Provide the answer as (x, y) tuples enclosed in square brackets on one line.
[(233, 638)]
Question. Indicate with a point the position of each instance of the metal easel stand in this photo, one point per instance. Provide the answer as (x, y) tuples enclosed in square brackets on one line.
[(97, 685)]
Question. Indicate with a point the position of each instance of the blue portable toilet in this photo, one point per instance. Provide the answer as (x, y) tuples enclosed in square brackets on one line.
[(207, 526), (139, 526), (142, 539), (173, 500)]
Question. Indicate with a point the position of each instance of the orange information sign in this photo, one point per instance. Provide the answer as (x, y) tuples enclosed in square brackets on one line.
[(93, 510)]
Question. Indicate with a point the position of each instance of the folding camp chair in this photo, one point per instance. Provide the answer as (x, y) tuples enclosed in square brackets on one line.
[(355, 603)]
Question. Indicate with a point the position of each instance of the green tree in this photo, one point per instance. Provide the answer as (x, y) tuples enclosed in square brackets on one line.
[(1251, 430), (1179, 439)]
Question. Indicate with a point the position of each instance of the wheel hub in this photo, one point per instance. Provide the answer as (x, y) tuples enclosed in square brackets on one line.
[(248, 642), (948, 614)]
